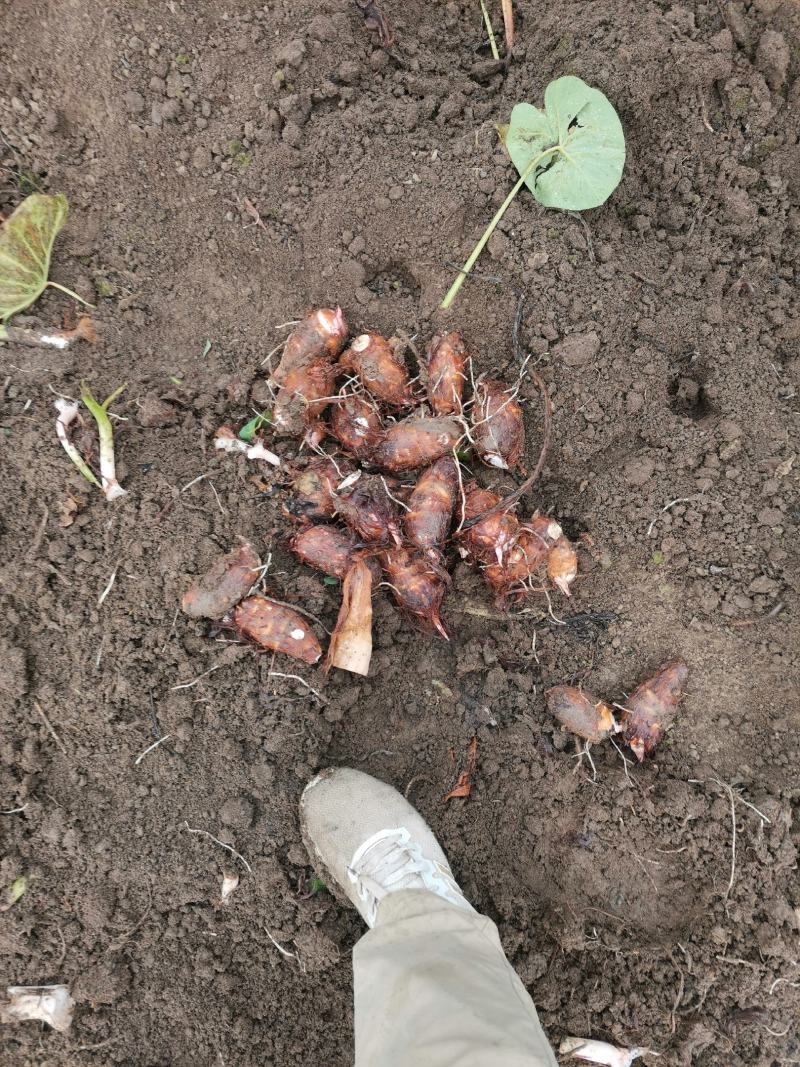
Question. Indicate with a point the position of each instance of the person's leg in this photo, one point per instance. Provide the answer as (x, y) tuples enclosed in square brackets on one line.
[(432, 985)]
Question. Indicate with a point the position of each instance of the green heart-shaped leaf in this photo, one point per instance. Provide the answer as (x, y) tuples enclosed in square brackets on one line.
[(581, 137), (26, 242)]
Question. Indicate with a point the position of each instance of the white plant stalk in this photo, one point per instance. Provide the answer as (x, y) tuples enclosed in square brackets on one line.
[(108, 474), (226, 441), (584, 1048), (51, 1004), (67, 414), (38, 338)]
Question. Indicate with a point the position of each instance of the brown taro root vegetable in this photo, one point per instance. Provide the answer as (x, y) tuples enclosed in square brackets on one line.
[(351, 641), (430, 506), (313, 490), (303, 397), (416, 442), (277, 627), (562, 565), (222, 587), (319, 337), (324, 548), (446, 358), (379, 368), (356, 425), (498, 432), (369, 511), (490, 540), (652, 707), (581, 713), (419, 584)]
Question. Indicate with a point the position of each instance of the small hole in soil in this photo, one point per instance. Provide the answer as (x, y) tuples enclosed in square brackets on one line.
[(688, 397), (394, 280)]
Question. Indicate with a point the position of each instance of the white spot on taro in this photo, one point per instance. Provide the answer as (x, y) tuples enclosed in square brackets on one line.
[(554, 531), (361, 421), (54, 340), (298, 634), (496, 461), (360, 343)]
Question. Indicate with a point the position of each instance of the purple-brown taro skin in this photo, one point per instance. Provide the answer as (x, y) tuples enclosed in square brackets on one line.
[(446, 359), (369, 511), (313, 490), (222, 587), (325, 549), (580, 713), (278, 628), (498, 431), (652, 707), (320, 336), (418, 583), (416, 442), (431, 504), (356, 425), (379, 368)]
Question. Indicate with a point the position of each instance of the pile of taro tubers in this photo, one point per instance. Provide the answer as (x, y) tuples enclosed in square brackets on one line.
[(393, 502)]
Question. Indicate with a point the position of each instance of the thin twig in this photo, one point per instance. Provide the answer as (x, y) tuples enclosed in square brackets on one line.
[(283, 951), (49, 726), (150, 748), (109, 587), (671, 504), (725, 786), (779, 981), (302, 681), (188, 685), (228, 848), (15, 811)]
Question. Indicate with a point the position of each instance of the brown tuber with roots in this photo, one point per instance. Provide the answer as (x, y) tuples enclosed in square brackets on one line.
[(379, 368), (419, 584), (416, 442), (430, 506), (356, 425), (651, 708), (303, 397), (276, 627), (368, 509), (221, 588), (446, 360), (580, 713), (314, 488), (320, 336), (324, 548), (498, 431)]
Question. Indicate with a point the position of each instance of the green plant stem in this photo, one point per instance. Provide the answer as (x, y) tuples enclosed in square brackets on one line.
[(490, 31), (105, 431), (69, 292), (452, 292)]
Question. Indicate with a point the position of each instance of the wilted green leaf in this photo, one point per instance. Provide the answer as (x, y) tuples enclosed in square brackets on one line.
[(329, 580), (657, 558), (580, 138), (249, 430), (14, 892), (26, 242)]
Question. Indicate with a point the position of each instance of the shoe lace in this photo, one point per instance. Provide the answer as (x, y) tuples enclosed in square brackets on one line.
[(391, 860)]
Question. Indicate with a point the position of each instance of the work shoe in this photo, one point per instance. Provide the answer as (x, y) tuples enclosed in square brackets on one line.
[(367, 841)]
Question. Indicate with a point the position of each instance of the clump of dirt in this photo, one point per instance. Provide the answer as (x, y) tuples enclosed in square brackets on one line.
[(228, 167)]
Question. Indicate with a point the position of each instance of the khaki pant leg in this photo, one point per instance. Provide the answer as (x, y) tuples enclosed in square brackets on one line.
[(434, 989)]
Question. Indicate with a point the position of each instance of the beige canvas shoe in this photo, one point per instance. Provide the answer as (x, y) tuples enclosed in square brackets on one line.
[(367, 841)]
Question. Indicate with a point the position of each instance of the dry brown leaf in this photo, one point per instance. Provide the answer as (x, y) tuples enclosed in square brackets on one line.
[(463, 787)]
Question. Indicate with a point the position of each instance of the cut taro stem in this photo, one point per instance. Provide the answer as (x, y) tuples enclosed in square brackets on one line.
[(453, 291), (108, 475), (351, 643), (583, 1048), (67, 414), (227, 442)]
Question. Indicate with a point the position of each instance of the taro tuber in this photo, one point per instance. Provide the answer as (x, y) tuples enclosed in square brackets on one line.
[(313, 489), (652, 707), (498, 431), (368, 510), (379, 368), (580, 713), (320, 336), (222, 587), (303, 397), (416, 442), (277, 627), (427, 521), (562, 565), (324, 548), (356, 425), (351, 642), (446, 359), (419, 584), (490, 540)]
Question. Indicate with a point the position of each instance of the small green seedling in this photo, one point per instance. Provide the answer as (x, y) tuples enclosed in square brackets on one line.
[(26, 244), (317, 885), (251, 428), (570, 155), (108, 474)]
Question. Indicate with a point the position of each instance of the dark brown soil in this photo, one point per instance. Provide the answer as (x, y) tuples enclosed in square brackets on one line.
[(666, 327)]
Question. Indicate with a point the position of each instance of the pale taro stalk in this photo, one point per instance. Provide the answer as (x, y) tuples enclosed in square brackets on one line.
[(108, 474), (67, 414)]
